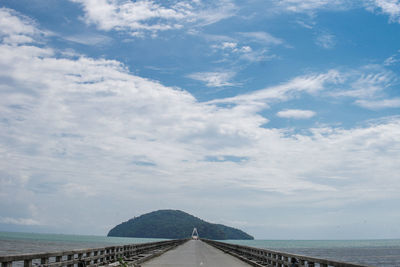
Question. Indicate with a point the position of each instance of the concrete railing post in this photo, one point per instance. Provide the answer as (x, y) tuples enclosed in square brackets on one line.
[(70, 257), (44, 261), (27, 263)]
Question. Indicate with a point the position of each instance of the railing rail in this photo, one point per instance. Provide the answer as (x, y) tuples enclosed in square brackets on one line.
[(87, 257), (265, 257)]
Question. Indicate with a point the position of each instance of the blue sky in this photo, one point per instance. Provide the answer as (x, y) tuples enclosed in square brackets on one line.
[(277, 117)]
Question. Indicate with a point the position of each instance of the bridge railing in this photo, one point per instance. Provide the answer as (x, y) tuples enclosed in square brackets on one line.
[(87, 257), (264, 257)]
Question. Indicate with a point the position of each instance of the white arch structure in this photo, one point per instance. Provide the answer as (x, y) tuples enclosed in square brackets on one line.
[(195, 234)]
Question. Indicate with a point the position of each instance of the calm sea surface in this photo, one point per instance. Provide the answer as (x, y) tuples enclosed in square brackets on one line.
[(369, 252), (17, 243)]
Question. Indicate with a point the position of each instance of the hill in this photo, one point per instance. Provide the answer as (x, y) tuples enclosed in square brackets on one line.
[(174, 224)]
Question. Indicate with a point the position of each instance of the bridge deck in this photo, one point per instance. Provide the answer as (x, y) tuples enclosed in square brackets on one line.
[(195, 253)]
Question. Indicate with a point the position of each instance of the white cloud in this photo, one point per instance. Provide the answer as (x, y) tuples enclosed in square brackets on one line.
[(91, 39), (379, 104), (296, 114), (367, 85), (304, 84), (246, 49), (239, 49), (306, 24), (19, 221), (214, 79), (371, 84), (392, 60), (262, 37), (367, 82), (139, 17), (231, 50), (299, 6), (16, 29), (230, 45), (257, 55), (210, 12), (214, 37), (389, 7), (326, 40)]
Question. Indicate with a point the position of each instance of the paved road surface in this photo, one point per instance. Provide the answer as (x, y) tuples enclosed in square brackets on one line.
[(195, 253)]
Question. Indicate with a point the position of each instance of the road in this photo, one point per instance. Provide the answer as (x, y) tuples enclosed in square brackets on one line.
[(195, 253)]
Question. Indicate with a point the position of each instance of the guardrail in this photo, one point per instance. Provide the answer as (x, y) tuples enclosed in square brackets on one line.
[(131, 254), (264, 257)]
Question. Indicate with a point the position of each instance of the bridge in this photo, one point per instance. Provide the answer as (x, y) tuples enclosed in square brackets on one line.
[(179, 253)]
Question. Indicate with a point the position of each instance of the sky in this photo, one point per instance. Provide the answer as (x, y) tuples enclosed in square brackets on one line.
[(281, 118)]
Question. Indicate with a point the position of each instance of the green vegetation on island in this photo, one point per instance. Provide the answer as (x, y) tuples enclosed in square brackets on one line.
[(174, 224)]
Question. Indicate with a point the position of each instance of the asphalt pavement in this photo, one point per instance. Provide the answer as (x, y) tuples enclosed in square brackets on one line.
[(195, 253)]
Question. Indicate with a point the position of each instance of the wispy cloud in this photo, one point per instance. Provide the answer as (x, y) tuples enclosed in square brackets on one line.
[(215, 37), (379, 104), (326, 40), (366, 85), (389, 7), (367, 82), (306, 24), (393, 59), (227, 45), (232, 47), (19, 221), (296, 114), (262, 37), (214, 79), (299, 6), (233, 51), (139, 17), (210, 12), (91, 39), (304, 84)]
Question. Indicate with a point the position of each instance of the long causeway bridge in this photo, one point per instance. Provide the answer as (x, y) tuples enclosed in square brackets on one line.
[(179, 253)]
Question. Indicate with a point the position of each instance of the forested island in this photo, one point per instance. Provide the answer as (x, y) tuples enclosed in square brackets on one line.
[(174, 224)]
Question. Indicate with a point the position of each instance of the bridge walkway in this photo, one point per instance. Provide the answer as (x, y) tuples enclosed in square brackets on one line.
[(195, 253)]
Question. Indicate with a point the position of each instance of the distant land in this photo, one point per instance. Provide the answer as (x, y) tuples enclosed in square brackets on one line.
[(175, 224)]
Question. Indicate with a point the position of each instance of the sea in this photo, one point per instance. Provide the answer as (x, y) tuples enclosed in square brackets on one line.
[(368, 252)]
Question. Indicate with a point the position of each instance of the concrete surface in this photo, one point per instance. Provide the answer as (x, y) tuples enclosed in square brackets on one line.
[(195, 253)]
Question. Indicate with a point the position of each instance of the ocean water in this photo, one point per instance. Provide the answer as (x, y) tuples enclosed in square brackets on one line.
[(18, 243), (369, 252)]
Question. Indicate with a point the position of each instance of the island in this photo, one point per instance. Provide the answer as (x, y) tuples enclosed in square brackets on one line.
[(174, 224)]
